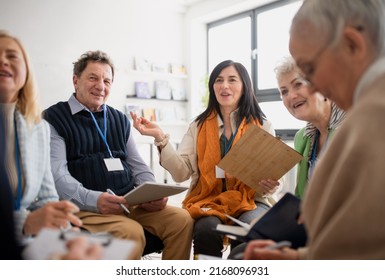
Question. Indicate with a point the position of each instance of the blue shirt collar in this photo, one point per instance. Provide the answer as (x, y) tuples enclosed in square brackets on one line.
[(76, 106)]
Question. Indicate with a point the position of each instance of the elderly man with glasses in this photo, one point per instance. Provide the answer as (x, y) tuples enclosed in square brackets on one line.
[(340, 46)]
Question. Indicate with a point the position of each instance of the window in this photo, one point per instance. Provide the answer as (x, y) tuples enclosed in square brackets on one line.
[(258, 39), (230, 40), (272, 29)]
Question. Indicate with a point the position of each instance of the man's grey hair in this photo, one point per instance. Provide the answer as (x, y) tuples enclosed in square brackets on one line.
[(92, 56), (331, 16)]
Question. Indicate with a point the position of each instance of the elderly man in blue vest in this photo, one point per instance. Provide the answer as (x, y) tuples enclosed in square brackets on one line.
[(92, 149)]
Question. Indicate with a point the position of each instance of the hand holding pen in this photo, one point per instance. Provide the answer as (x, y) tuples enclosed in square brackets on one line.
[(109, 203), (54, 215), (269, 250), (121, 204)]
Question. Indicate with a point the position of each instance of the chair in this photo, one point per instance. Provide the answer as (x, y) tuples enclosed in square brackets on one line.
[(153, 244)]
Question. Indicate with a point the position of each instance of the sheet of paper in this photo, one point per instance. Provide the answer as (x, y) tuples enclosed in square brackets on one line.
[(242, 224), (48, 242), (232, 230)]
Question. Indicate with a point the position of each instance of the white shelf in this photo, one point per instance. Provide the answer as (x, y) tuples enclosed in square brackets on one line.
[(157, 74), (166, 110), (133, 97)]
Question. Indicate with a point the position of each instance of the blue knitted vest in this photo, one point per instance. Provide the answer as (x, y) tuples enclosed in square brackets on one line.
[(86, 150)]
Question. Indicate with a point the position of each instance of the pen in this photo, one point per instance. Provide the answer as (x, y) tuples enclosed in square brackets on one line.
[(67, 228), (121, 205), (279, 245), (275, 246)]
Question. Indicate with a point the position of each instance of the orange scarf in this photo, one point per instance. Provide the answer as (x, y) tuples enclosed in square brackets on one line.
[(207, 198)]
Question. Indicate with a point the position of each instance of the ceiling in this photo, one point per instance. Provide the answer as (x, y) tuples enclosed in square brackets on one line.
[(188, 2)]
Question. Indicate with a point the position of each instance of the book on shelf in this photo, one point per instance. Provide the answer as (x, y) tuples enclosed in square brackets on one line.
[(162, 90), (160, 67), (259, 155), (133, 108), (142, 90), (180, 113), (142, 64), (166, 114), (178, 94), (178, 69), (149, 114), (279, 223)]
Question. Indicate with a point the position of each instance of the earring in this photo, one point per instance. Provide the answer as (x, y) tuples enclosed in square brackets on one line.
[(325, 99)]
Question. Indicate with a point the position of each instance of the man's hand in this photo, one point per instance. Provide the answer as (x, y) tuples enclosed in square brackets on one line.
[(110, 204), (259, 250), (155, 205)]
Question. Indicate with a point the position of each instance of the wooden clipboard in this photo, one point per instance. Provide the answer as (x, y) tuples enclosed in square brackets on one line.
[(259, 155)]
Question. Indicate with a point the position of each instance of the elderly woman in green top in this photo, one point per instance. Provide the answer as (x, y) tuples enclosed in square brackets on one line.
[(323, 117)]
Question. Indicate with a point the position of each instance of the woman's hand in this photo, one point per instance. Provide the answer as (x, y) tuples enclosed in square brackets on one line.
[(80, 248), (269, 186), (146, 127), (53, 215)]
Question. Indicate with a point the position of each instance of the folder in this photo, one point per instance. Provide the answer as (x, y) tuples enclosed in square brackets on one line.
[(149, 191), (259, 155), (280, 223)]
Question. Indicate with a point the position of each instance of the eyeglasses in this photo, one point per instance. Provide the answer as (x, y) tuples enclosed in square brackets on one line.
[(308, 68)]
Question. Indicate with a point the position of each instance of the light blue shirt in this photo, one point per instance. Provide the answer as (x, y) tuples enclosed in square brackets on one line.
[(39, 187)]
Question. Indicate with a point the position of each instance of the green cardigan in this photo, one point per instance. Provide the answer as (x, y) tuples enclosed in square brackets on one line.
[(304, 141), (302, 144)]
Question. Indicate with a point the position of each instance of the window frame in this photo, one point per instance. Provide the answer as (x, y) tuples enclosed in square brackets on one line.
[(263, 95)]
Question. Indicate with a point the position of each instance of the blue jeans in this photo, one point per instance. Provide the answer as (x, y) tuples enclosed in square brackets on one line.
[(208, 241)]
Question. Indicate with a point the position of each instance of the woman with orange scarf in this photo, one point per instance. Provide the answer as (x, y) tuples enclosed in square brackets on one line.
[(213, 194)]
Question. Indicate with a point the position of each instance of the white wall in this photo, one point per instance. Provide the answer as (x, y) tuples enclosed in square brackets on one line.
[(197, 17), (56, 33)]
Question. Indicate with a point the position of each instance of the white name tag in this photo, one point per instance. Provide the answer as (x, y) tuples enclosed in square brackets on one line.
[(219, 172), (113, 164)]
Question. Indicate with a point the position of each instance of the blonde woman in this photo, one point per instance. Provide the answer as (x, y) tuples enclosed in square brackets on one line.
[(27, 153), (322, 115)]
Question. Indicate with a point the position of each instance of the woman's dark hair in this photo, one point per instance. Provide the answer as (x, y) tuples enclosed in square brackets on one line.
[(248, 104)]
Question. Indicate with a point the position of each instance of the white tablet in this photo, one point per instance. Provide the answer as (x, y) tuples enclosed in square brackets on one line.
[(149, 191)]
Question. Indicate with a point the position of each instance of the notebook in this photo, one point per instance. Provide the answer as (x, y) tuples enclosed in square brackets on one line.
[(278, 224), (149, 191)]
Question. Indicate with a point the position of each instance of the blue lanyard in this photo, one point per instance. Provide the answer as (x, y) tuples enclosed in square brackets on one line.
[(103, 135), (314, 153), (18, 167), (231, 141)]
